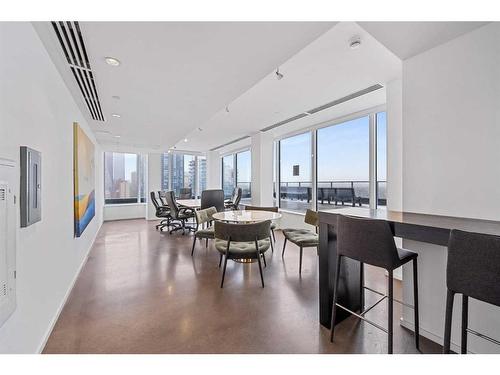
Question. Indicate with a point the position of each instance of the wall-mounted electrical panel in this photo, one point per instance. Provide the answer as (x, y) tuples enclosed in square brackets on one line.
[(31, 186), (8, 227)]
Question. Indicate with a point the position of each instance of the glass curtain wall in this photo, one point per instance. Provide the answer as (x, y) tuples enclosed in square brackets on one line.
[(343, 159), (124, 176), (296, 173), (228, 175), (183, 173), (244, 175)]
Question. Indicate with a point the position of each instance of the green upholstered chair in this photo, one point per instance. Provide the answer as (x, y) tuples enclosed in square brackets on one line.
[(204, 219), (303, 237), (242, 242), (273, 225)]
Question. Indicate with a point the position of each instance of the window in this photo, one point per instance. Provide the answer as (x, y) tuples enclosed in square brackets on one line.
[(341, 158), (243, 175), (381, 158), (343, 164), (228, 177), (184, 171), (237, 171), (295, 172), (123, 178)]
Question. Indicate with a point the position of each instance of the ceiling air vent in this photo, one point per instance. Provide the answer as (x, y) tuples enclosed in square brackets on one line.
[(324, 106), (230, 143), (71, 40), (2, 194)]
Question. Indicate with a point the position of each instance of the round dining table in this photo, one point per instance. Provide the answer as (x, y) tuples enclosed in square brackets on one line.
[(245, 216)]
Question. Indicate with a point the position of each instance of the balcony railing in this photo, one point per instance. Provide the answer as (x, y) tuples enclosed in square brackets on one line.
[(302, 191)]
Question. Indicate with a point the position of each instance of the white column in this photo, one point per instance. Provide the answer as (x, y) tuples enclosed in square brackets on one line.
[(214, 166), (262, 169), (394, 93), (153, 182)]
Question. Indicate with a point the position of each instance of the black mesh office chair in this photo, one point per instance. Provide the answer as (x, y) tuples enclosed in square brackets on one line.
[(185, 193), (162, 212), (233, 203), (179, 214), (161, 196), (371, 241), (213, 198), (473, 270)]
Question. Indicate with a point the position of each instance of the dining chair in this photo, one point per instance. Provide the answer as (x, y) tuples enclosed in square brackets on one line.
[(273, 224), (242, 242), (303, 237), (204, 217)]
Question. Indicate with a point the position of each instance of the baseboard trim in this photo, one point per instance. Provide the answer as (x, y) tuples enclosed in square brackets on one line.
[(431, 336), (68, 292)]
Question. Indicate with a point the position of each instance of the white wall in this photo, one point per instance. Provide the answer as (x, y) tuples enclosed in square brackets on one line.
[(262, 169), (124, 211), (214, 166), (36, 110), (451, 117), (395, 145), (153, 182)]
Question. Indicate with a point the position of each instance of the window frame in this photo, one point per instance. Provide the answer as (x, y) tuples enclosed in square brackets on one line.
[(141, 165), (234, 154), (313, 129)]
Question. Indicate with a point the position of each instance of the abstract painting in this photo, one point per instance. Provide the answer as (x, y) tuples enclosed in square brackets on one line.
[(83, 176)]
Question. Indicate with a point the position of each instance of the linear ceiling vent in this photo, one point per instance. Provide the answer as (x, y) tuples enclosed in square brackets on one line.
[(325, 106), (230, 143), (71, 40)]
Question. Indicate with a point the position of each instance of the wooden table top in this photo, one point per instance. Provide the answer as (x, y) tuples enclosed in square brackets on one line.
[(246, 216)]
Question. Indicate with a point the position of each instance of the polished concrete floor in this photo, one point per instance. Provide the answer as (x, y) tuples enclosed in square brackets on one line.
[(142, 292)]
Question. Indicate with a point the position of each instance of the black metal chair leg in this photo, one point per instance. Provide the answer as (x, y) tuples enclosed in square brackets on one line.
[(260, 266), (194, 243), (300, 261), (334, 306), (415, 305), (390, 304), (447, 322), (274, 237), (220, 260), (284, 245), (465, 323), (224, 271), (272, 243), (264, 259), (206, 243)]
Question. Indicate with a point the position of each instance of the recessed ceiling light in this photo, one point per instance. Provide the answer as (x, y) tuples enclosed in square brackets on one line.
[(117, 136), (116, 115), (185, 139), (112, 61), (355, 42)]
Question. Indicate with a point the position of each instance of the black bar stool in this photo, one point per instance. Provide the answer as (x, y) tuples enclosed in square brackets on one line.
[(371, 241), (473, 270)]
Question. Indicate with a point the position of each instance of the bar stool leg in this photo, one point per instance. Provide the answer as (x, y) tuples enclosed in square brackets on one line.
[(390, 313), (334, 306), (362, 286), (415, 304), (465, 322), (447, 323)]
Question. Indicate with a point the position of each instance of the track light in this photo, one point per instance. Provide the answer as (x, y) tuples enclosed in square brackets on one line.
[(355, 42), (278, 74), (227, 108)]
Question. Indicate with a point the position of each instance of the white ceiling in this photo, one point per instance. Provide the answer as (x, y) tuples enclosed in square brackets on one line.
[(407, 39), (174, 76), (325, 70), (178, 76)]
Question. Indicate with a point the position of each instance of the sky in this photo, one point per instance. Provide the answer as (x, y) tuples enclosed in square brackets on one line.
[(343, 152)]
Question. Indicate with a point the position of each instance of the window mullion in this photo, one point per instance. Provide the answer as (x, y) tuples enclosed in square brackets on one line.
[(373, 162)]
